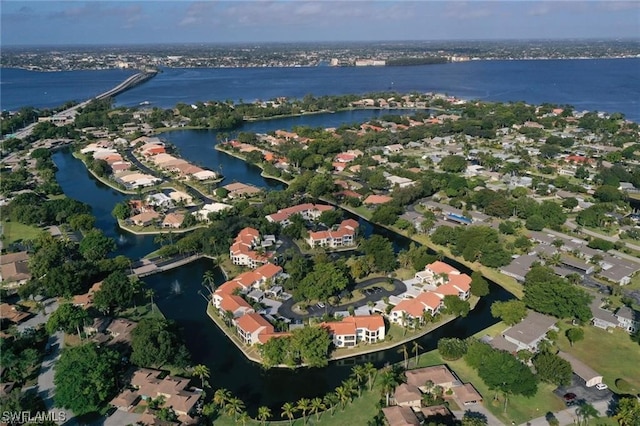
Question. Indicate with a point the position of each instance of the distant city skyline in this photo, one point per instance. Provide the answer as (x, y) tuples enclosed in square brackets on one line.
[(153, 22)]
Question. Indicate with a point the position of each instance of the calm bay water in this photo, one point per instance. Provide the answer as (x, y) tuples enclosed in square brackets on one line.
[(611, 85)]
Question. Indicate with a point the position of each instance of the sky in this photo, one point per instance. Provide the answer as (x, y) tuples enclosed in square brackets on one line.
[(54, 22)]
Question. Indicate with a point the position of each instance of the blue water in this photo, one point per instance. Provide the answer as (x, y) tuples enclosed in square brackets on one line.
[(20, 88), (611, 85)]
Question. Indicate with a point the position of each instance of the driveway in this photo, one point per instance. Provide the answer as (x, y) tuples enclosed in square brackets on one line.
[(568, 416), (45, 387), (286, 310), (50, 305)]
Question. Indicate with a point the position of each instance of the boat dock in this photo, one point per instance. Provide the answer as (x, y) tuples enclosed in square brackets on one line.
[(146, 267)]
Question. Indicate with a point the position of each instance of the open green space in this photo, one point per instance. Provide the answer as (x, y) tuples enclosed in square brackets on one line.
[(520, 409), (612, 354), (14, 231)]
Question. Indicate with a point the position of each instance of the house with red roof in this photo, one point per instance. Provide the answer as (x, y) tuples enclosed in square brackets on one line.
[(435, 273), (376, 199), (250, 326), (308, 211), (415, 308), (457, 285), (350, 331), (345, 235), (242, 251), (578, 159)]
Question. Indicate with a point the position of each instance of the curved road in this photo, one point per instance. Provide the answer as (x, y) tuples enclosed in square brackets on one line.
[(286, 309)]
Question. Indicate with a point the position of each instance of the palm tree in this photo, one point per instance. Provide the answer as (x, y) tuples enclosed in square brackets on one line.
[(303, 405), (389, 381), (208, 280), (584, 412), (403, 350), (202, 371), (264, 414), (628, 411), (358, 372), (371, 372), (150, 293), (234, 407), (288, 410), (416, 350), (343, 395), (316, 406), (330, 400), (243, 418), (221, 396), (404, 318)]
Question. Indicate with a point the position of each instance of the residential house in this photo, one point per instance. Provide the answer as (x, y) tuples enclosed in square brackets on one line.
[(392, 149), (243, 250), (144, 219), (467, 394), (173, 220), (14, 268), (344, 235), (376, 200), (120, 330), (628, 318), (250, 326), (529, 332), (582, 370), (10, 313), (457, 285), (308, 212), (439, 375), (519, 266), (400, 416), (436, 273), (602, 318), (86, 300), (414, 309), (407, 395), (354, 329)]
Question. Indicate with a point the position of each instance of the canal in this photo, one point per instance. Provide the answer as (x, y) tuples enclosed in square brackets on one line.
[(179, 292)]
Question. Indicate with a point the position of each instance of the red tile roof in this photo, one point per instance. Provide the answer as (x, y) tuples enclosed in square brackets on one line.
[(439, 267), (377, 199), (252, 322)]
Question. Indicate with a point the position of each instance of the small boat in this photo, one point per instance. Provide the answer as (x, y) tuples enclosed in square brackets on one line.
[(145, 103)]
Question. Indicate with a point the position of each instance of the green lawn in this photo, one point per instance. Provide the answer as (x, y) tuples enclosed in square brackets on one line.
[(612, 354), (359, 412), (519, 409), (14, 231)]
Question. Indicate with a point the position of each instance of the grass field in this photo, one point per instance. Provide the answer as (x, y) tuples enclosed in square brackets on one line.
[(14, 231), (519, 409), (612, 354)]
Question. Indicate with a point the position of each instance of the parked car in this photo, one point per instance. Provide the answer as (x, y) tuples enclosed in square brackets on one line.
[(321, 305), (569, 398), (602, 386)]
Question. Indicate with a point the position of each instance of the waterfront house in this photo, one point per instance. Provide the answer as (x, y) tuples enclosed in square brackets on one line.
[(344, 235), (439, 375), (308, 212), (235, 304), (519, 266), (354, 329), (457, 285), (173, 220), (144, 219), (120, 330), (400, 416), (414, 309), (529, 332), (244, 252), (436, 273), (250, 326), (407, 395)]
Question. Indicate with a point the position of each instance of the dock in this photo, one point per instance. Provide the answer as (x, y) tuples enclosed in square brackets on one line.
[(146, 267)]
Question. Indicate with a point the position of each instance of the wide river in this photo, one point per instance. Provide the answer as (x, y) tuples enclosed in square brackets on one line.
[(179, 291), (611, 85)]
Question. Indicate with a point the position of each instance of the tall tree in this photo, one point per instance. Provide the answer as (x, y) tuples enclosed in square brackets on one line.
[(316, 407), (264, 414), (116, 293), (288, 410), (510, 311), (552, 368), (202, 371), (68, 318), (85, 377), (304, 405)]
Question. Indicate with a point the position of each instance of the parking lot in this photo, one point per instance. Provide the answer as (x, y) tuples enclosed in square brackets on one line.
[(583, 393)]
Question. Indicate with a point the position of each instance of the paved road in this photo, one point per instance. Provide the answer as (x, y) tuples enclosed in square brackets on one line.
[(612, 239), (45, 387), (568, 416), (286, 309)]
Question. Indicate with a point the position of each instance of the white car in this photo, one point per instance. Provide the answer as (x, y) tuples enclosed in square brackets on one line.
[(602, 386), (320, 305)]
